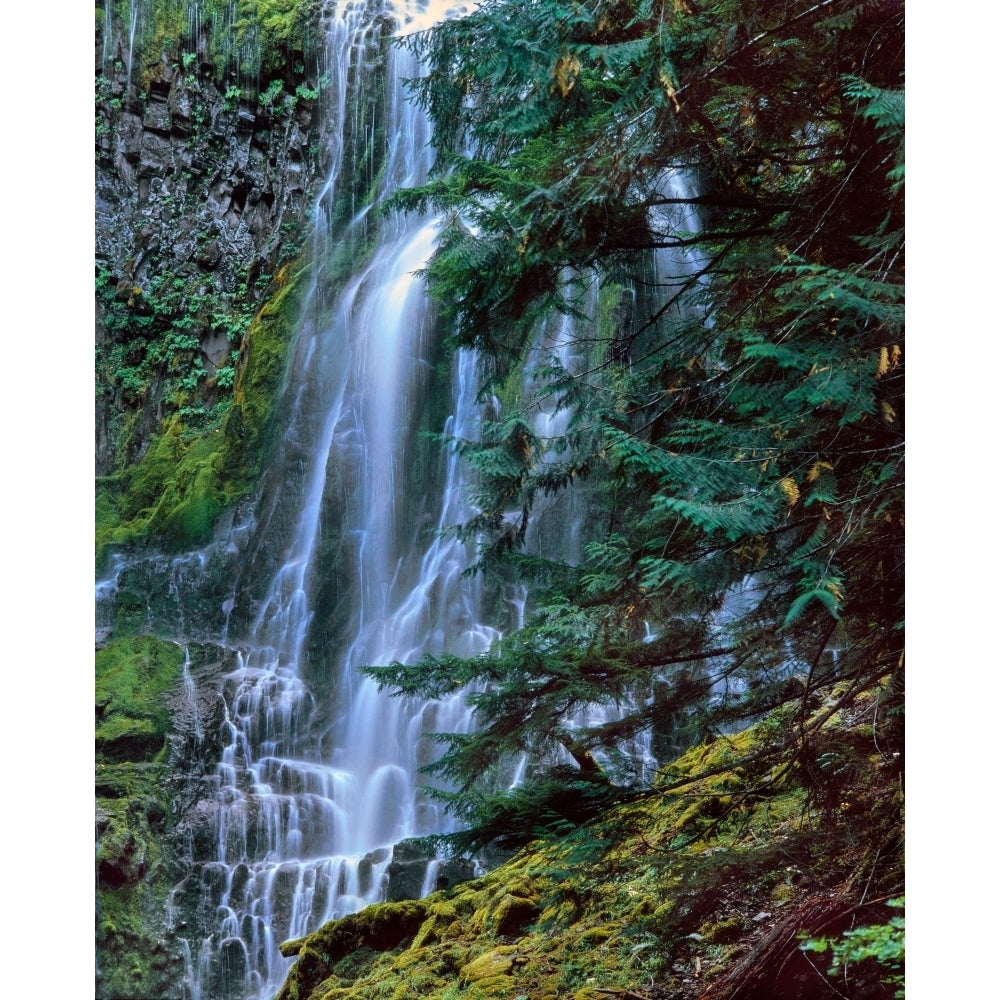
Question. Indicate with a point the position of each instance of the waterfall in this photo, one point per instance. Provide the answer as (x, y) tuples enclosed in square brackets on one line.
[(106, 34), (133, 21), (558, 524), (557, 528), (319, 771)]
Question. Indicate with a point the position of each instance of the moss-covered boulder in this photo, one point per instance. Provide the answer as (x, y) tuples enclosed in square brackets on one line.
[(133, 676)]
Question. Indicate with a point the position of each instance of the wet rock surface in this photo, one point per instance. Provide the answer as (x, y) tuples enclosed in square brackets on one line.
[(159, 714)]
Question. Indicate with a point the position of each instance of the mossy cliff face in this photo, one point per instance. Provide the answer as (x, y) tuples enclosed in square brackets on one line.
[(155, 743), (209, 151), (696, 892), (184, 478), (212, 140), (134, 679)]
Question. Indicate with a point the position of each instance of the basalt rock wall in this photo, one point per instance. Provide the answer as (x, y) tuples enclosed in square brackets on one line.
[(204, 183)]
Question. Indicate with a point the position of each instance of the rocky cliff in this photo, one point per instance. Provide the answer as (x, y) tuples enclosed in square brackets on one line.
[(208, 156)]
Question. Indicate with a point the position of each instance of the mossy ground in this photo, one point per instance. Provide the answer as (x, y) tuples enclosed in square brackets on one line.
[(668, 896)]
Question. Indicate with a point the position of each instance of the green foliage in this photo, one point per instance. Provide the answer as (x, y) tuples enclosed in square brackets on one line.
[(884, 944), (739, 427), (156, 335), (886, 108), (552, 806), (306, 93), (185, 479), (269, 96), (232, 97)]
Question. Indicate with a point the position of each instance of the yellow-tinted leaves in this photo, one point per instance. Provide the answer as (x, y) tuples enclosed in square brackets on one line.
[(566, 73), (753, 550), (883, 362), (814, 472), (668, 86), (888, 358), (791, 490)]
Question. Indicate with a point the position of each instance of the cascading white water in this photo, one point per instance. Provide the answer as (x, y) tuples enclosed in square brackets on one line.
[(106, 37), (305, 825), (557, 526), (133, 22)]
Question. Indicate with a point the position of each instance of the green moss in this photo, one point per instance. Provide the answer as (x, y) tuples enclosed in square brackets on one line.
[(259, 380), (132, 677), (512, 914), (488, 967), (726, 931), (599, 935), (132, 889), (107, 517), (133, 801), (381, 927), (185, 480)]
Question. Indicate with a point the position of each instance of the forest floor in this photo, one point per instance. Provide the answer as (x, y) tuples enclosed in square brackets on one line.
[(703, 889)]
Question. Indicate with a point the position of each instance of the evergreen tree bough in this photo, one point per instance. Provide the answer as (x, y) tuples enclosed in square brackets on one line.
[(739, 429)]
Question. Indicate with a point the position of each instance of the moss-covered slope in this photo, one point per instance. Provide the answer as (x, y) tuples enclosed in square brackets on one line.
[(698, 891)]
